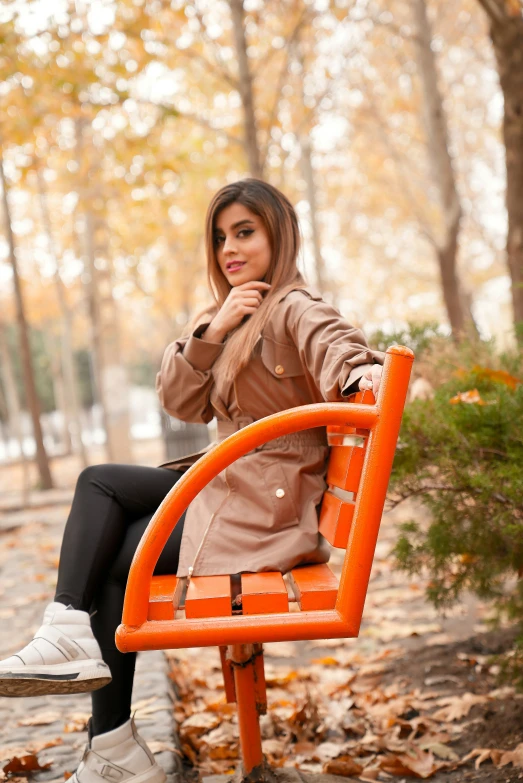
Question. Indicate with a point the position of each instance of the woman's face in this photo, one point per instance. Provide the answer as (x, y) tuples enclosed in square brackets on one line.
[(241, 244)]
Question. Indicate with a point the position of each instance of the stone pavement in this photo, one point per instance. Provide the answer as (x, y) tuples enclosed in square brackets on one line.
[(29, 550)]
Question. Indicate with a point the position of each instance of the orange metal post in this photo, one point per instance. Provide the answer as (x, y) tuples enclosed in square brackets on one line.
[(373, 486), (242, 656)]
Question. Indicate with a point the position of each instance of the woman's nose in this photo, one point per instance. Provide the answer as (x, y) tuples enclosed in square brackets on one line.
[(229, 245)]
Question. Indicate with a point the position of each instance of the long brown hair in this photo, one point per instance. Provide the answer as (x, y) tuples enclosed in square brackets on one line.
[(281, 224)]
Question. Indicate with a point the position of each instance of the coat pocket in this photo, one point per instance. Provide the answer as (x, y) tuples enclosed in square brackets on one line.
[(282, 360), (285, 513)]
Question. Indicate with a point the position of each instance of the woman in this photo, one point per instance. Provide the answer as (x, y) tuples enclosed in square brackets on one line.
[(269, 343)]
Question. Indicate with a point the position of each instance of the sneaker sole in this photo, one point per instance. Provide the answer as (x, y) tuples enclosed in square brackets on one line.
[(63, 678), (155, 774)]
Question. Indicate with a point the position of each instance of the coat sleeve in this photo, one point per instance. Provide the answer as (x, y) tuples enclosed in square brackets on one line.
[(335, 353), (185, 380)]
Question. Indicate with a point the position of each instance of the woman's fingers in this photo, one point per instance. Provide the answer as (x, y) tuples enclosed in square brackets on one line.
[(376, 371), (371, 379)]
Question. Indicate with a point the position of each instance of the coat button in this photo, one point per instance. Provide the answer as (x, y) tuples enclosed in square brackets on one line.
[(279, 370), (280, 493)]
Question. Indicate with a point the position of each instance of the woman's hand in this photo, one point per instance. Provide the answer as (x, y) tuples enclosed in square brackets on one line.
[(371, 379), (242, 300)]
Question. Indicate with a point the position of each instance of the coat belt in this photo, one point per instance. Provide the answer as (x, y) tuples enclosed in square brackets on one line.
[(313, 437)]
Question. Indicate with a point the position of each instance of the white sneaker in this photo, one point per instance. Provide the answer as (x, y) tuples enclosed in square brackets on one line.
[(118, 756), (64, 657)]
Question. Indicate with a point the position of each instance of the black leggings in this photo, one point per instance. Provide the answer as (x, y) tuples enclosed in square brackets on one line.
[(111, 508)]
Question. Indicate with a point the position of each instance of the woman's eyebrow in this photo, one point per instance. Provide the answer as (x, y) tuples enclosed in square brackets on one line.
[(236, 225)]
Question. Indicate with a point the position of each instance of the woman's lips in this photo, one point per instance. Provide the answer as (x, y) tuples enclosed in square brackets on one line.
[(234, 266)]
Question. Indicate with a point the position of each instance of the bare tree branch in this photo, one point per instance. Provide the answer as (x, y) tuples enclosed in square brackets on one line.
[(402, 170), (213, 68), (281, 78), (192, 118)]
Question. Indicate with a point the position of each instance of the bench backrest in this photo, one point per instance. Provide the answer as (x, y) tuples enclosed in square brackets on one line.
[(348, 446)]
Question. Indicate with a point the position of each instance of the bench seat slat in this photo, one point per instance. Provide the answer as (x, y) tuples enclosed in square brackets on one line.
[(315, 587), (164, 597), (208, 596), (264, 593)]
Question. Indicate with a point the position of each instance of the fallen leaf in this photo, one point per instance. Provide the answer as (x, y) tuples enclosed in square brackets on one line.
[(199, 723), (76, 721), (274, 680), (440, 750), (40, 719), (416, 763), (161, 747), (343, 765), (483, 754), (222, 742), (327, 751), (24, 764), (457, 707), (274, 747), (514, 757), (38, 746), (328, 661), (369, 775)]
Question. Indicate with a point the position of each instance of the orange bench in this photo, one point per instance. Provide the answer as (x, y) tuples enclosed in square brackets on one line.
[(163, 613)]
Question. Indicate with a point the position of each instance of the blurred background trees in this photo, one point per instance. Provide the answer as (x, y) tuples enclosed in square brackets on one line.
[(395, 128)]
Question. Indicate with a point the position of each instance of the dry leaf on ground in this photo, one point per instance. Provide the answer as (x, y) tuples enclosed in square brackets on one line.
[(514, 757), (41, 719), (199, 723), (344, 765), (76, 721), (457, 707), (483, 754), (417, 763), (25, 764), (159, 747)]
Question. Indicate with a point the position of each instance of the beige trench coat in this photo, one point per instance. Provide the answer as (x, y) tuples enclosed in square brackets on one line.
[(260, 514)]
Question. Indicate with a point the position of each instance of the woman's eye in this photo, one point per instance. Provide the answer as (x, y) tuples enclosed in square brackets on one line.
[(217, 240), (246, 232)]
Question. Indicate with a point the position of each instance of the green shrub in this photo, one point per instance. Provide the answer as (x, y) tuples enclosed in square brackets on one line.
[(465, 461)]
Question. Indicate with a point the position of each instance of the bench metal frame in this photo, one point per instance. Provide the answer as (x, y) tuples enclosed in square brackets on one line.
[(244, 634)]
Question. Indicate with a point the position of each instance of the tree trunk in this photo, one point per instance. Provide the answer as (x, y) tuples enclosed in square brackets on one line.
[(308, 175), (246, 91), (507, 37), (72, 405), (14, 409), (110, 374), (60, 396), (441, 169), (25, 350)]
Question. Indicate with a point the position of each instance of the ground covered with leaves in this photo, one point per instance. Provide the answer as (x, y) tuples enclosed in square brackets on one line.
[(416, 696)]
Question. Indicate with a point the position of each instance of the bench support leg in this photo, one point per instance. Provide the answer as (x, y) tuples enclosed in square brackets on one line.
[(254, 768)]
